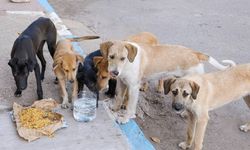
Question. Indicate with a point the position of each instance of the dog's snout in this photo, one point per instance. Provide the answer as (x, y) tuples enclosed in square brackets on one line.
[(177, 106), (115, 72)]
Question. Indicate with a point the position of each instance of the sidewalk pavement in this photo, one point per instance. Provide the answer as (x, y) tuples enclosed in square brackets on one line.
[(102, 133)]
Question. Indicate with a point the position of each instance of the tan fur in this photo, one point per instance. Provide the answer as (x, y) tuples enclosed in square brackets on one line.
[(143, 37), (210, 91), (65, 67), (163, 58), (102, 74), (150, 59)]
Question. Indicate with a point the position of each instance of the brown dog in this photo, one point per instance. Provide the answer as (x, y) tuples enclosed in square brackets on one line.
[(65, 66), (198, 94)]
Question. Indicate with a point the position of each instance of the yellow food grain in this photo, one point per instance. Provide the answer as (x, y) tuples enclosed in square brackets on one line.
[(36, 118)]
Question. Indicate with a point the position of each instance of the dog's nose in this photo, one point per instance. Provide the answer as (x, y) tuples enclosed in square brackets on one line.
[(115, 72), (177, 106), (71, 81)]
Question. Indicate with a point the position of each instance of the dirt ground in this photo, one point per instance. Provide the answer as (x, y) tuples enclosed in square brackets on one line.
[(218, 28)]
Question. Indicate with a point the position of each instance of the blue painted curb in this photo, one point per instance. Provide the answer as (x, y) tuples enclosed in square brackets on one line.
[(49, 9), (135, 136)]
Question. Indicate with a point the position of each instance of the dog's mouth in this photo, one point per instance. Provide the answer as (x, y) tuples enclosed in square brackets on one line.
[(112, 75)]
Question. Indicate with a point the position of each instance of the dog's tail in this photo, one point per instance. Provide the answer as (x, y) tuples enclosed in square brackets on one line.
[(214, 62), (82, 38)]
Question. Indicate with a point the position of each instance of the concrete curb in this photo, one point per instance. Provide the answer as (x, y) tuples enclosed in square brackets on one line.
[(135, 136)]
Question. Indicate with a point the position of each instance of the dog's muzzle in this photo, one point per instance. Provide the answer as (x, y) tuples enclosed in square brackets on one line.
[(177, 106), (114, 73)]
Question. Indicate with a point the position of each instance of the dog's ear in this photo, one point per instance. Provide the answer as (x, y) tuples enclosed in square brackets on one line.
[(97, 60), (167, 84), (58, 62), (30, 64), (12, 62), (104, 47), (132, 52), (195, 89), (79, 58)]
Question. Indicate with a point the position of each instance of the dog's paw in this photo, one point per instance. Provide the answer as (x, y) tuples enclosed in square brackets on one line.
[(56, 81), (144, 87), (245, 127), (122, 120), (183, 145), (42, 78), (184, 114), (66, 105), (160, 90), (18, 93), (123, 107), (115, 108)]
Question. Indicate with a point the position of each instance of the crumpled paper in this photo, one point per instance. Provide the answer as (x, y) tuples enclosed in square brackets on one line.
[(33, 134)]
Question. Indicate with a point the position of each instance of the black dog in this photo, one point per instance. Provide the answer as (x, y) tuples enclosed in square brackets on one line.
[(23, 55), (86, 75)]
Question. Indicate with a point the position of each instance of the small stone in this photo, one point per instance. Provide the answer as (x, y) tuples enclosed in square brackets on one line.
[(155, 139)]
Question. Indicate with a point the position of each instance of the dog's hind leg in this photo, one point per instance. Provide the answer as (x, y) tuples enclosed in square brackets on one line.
[(51, 42), (41, 58), (38, 82), (246, 126)]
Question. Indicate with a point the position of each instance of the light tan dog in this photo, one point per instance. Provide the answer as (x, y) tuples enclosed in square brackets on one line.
[(143, 37), (129, 62), (65, 66), (101, 63), (198, 94)]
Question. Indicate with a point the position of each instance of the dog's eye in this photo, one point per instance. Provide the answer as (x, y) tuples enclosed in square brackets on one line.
[(112, 57), (123, 58), (74, 69), (175, 92), (185, 94), (67, 70)]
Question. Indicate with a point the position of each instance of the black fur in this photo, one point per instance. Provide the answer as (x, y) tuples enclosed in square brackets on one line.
[(86, 75), (23, 55)]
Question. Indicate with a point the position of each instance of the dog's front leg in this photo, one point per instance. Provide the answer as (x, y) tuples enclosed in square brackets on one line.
[(120, 92), (38, 81), (75, 90), (192, 120), (200, 131), (18, 93), (133, 93), (62, 84)]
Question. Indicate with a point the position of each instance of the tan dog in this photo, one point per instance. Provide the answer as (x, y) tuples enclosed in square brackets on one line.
[(65, 66), (143, 37), (129, 62), (102, 74), (101, 63), (198, 94)]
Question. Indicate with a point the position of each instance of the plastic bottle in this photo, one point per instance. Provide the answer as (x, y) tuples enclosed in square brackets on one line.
[(84, 108)]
